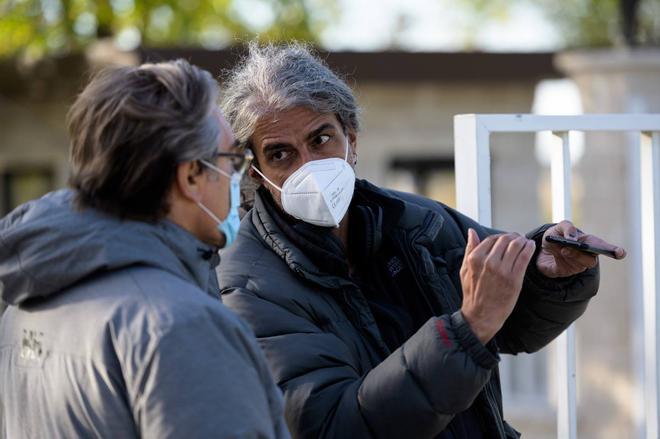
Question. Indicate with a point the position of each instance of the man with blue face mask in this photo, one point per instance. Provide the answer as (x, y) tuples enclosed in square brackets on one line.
[(115, 327), (228, 227), (382, 313)]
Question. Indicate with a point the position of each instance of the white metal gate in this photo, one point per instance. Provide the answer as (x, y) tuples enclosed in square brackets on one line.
[(473, 194)]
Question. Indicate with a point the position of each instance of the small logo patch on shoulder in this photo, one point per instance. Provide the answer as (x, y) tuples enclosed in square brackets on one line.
[(31, 346), (394, 266)]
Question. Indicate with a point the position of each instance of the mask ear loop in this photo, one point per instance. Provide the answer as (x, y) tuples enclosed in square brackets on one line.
[(199, 203), (266, 178), (209, 213)]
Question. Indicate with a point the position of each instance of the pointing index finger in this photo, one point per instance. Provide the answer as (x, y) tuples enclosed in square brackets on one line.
[(619, 252)]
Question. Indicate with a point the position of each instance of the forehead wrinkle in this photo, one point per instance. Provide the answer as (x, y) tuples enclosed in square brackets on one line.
[(296, 123)]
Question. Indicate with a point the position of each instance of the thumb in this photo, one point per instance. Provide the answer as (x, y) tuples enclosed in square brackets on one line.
[(472, 241)]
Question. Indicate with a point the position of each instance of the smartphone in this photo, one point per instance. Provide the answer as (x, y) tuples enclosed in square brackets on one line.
[(582, 246)]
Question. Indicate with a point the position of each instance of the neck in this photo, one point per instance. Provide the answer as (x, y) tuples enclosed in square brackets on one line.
[(177, 216), (187, 216)]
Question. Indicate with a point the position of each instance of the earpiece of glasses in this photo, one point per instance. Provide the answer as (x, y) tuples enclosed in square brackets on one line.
[(239, 160)]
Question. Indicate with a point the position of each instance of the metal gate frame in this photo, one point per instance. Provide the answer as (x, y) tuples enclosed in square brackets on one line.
[(473, 194)]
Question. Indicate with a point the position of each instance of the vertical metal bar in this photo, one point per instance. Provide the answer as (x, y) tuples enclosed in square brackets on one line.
[(472, 165), (634, 257), (650, 205), (561, 209)]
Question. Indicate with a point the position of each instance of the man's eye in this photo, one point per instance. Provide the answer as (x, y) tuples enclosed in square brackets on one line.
[(320, 140), (279, 156)]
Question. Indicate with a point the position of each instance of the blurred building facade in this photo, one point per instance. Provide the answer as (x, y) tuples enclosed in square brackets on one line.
[(408, 102)]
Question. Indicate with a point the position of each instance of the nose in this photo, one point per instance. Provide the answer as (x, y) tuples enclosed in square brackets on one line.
[(305, 155)]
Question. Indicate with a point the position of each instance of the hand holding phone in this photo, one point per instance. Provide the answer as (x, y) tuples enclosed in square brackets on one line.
[(566, 251), (582, 246)]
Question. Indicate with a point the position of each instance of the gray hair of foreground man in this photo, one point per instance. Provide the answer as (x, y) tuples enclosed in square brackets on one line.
[(131, 126), (272, 79)]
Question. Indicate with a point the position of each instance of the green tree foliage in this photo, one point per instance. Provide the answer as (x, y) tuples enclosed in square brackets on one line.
[(34, 28), (586, 23), (596, 23)]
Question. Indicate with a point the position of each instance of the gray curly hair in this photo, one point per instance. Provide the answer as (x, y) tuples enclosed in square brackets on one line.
[(129, 129), (277, 78)]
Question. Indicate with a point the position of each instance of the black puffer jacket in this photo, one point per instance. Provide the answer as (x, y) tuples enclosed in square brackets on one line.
[(324, 347)]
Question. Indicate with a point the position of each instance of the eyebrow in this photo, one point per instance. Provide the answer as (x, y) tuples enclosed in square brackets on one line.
[(311, 135), (319, 130)]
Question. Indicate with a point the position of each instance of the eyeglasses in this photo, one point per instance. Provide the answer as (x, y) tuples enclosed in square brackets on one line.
[(240, 161)]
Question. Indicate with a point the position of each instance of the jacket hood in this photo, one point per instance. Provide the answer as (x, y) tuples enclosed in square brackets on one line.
[(47, 245)]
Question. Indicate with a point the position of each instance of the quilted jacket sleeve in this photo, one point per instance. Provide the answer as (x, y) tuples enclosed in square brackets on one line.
[(414, 392), (546, 307)]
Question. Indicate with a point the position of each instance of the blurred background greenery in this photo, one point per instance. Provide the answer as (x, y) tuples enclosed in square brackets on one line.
[(34, 28), (31, 29), (585, 23)]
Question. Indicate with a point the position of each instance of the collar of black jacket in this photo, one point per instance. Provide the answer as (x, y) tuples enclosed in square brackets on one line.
[(318, 243), (314, 252)]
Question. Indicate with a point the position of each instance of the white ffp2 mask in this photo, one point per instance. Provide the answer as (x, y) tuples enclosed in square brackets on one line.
[(319, 192)]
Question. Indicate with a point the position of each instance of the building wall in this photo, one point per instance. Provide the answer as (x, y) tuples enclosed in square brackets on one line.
[(416, 120), (34, 145)]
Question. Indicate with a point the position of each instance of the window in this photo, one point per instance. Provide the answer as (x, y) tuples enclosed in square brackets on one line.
[(430, 176)]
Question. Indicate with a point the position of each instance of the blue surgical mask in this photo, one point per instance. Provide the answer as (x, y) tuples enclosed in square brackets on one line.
[(229, 226)]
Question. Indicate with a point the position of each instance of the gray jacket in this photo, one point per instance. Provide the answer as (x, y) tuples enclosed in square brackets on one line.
[(114, 330)]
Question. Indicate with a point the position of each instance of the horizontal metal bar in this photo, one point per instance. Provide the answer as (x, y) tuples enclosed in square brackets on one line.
[(530, 123)]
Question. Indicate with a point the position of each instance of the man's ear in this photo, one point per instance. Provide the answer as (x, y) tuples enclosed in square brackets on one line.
[(190, 181), (253, 174), (352, 141), (352, 138)]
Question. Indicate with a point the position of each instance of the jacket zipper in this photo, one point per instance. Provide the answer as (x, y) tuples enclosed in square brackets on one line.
[(488, 388)]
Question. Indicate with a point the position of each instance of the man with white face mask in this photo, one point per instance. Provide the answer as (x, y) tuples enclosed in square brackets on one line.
[(382, 314), (319, 192), (115, 328)]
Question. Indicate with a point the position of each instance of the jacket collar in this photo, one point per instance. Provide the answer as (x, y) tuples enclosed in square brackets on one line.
[(47, 245), (279, 234), (302, 246)]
